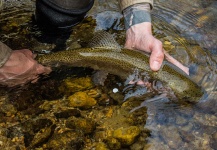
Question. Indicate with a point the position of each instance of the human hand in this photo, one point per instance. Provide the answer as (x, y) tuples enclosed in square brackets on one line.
[(140, 37), (21, 68)]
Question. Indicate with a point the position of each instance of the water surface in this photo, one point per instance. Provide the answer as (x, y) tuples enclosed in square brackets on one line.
[(188, 32)]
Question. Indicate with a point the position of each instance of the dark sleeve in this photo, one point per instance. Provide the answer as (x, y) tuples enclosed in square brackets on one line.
[(70, 6), (61, 13), (5, 52)]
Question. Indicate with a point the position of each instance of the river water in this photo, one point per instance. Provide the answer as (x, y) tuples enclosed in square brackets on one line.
[(188, 32)]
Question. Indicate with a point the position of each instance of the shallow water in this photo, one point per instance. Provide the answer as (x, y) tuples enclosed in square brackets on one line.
[(188, 31)]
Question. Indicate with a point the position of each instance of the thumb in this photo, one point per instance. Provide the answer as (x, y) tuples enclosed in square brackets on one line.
[(156, 57)]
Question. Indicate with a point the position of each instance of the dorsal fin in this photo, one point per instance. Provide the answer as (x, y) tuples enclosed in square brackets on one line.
[(103, 39)]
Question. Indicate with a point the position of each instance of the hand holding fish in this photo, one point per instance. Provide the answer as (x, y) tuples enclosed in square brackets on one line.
[(21, 68), (140, 37)]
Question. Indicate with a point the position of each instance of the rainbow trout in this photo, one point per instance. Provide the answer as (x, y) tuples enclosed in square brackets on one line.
[(106, 55)]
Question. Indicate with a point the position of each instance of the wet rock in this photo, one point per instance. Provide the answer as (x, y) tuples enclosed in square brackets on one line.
[(206, 119), (182, 55), (196, 125), (141, 142), (94, 93), (186, 136), (117, 128), (3, 141), (104, 100), (118, 97), (181, 121), (11, 144), (126, 135), (70, 139), (101, 146), (156, 144), (15, 132), (188, 127), (171, 136), (214, 139), (168, 45), (161, 118), (34, 109), (85, 125), (3, 131), (113, 118), (210, 105), (113, 87), (34, 131), (8, 110), (42, 136), (138, 145), (100, 135), (81, 100), (186, 112), (37, 124), (68, 113), (113, 143), (72, 85), (207, 129), (54, 105), (202, 141)]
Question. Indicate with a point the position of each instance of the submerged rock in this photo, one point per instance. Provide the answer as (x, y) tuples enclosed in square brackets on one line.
[(67, 113), (113, 143), (172, 137), (42, 136), (127, 135), (87, 126), (81, 100), (70, 139), (213, 142), (72, 85), (101, 146)]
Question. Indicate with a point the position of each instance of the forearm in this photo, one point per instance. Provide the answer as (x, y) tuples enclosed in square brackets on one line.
[(137, 14), (5, 53), (127, 3), (139, 36)]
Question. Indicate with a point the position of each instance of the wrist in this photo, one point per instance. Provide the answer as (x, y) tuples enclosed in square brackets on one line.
[(136, 14), (144, 27)]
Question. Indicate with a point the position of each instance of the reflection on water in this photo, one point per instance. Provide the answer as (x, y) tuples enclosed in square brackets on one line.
[(188, 32), (194, 19)]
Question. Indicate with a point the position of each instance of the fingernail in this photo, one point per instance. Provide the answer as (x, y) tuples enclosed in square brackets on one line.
[(155, 65)]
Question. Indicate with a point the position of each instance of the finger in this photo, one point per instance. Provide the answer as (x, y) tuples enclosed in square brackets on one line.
[(27, 53), (156, 57), (43, 70)]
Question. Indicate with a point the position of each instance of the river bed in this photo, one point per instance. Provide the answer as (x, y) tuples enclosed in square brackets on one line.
[(66, 110)]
